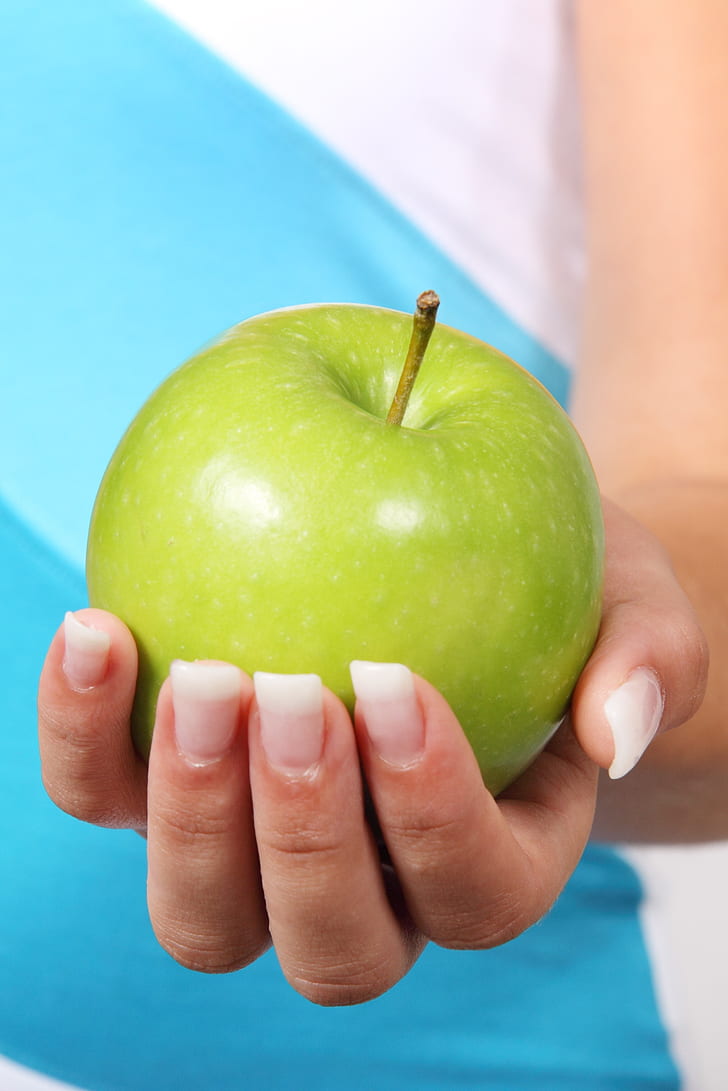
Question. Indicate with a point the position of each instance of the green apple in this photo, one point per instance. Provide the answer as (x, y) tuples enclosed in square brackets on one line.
[(261, 509)]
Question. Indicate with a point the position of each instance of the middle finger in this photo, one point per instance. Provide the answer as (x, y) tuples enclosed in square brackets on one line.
[(336, 934)]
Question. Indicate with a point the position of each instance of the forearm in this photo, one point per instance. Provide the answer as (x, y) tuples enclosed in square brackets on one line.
[(655, 93), (652, 391)]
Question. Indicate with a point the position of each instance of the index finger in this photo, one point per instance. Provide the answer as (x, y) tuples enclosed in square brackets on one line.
[(475, 871)]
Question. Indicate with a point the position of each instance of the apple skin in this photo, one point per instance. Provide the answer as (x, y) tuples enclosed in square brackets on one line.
[(260, 510)]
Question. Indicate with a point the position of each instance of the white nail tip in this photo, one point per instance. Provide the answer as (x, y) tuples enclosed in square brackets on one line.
[(381, 681), (205, 681), (86, 653), (289, 694), (83, 638), (633, 712)]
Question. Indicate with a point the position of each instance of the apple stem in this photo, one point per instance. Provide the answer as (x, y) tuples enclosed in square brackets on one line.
[(423, 324)]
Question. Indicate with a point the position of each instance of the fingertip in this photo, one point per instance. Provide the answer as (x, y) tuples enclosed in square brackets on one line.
[(92, 653), (291, 716), (416, 756), (86, 652), (616, 718), (633, 712), (206, 698), (95, 647), (380, 681), (390, 711)]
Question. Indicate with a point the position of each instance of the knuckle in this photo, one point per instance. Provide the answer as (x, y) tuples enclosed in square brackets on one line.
[(426, 837), (69, 730), (80, 772), (180, 825), (301, 843)]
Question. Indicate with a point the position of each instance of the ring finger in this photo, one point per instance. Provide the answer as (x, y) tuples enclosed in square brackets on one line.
[(204, 893)]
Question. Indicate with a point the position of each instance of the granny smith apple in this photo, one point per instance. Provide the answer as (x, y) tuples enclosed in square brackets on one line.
[(262, 509)]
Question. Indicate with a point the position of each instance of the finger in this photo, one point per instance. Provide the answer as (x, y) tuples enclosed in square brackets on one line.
[(204, 894), (336, 935), (475, 871), (648, 670), (90, 767)]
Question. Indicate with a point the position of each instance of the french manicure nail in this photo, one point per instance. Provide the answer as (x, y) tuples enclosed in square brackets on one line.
[(388, 704), (206, 703), (633, 712), (86, 653), (291, 709)]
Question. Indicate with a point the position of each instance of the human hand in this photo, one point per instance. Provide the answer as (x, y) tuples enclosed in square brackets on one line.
[(254, 804)]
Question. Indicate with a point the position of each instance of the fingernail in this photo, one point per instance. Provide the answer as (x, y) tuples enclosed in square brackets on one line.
[(387, 702), (291, 708), (206, 703), (86, 654), (633, 712)]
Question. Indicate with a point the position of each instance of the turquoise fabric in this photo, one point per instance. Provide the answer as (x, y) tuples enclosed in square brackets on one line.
[(151, 197)]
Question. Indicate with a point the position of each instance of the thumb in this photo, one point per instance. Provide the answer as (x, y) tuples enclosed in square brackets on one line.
[(648, 670)]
